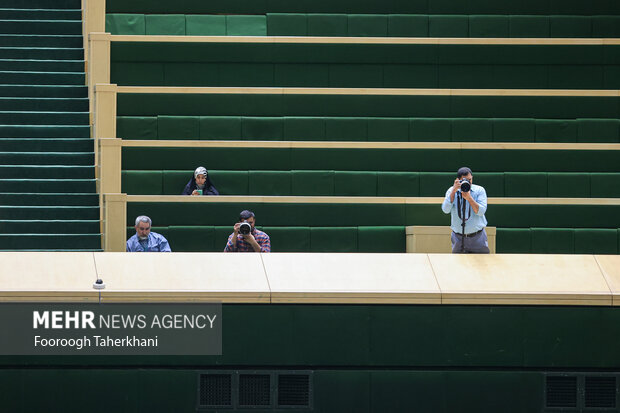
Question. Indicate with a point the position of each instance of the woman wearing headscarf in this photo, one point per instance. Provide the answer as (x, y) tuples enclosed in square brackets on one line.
[(200, 184)]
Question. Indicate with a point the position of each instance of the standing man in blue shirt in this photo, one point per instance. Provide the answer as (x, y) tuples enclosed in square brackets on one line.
[(469, 205), (146, 241)]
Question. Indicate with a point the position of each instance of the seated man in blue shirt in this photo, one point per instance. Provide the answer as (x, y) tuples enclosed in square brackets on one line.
[(469, 205), (146, 241)]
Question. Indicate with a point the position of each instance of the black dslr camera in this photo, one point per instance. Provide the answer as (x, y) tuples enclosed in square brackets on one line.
[(245, 228), (465, 185)]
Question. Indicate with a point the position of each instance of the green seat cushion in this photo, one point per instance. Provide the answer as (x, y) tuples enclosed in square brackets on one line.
[(178, 127), (136, 127), (605, 185), (493, 182), (127, 24), (513, 240), (569, 185), (488, 26), (551, 130), (525, 184), (312, 183), (289, 239), (287, 24), (142, 182), (346, 129), (205, 25), (596, 241), (220, 127), (174, 181), (269, 183), (266, 129), (430, 130), (436, 183), (230, 182), (407, 25), (327, 24), (246, 25), (553, 240), (570, 26), (388, 129), (333, 239), (355, 183), (398, 184), (381, 239), (448, 26), (514, 130), (367, 25), (192, 239), (605, 26), (529, 26), (223, 232), (472, 130), (165, 24), (598, 130), (304, 128)]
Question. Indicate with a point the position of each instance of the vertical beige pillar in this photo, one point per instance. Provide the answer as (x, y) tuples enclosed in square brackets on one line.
[(105, 121), (93, 20), (110, 166), (99, 63), (115, 222)]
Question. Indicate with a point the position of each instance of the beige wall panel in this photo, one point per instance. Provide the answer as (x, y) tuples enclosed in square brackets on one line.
[(47, 276), (351, 278), (517, 279), (610, 266), (182, 277)]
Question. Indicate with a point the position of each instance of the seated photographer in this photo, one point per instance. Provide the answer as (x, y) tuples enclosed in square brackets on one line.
[(200, 184), (146, 241), (245, 237), (467, 203)]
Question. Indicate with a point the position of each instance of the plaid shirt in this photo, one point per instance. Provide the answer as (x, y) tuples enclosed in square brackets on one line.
[(242, 246)]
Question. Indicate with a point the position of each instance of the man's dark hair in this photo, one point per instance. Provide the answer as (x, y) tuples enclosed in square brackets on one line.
[(463, 171), (245, 214)]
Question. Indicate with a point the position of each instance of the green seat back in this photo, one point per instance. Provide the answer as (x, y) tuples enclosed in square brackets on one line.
[(398, 184), (269, 183), (178, 127), (165, 24), (142, 182), (220, 127), (333, 239), (552, 240), (289, 239), (596, 241), (381, 239), (138, 127), (355, 183), (312, 183)]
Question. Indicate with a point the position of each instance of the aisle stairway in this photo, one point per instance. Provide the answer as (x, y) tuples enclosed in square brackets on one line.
[(48, 198)]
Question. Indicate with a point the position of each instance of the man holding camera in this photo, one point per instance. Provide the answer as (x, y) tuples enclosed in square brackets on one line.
[(467, 204), (245, 237)]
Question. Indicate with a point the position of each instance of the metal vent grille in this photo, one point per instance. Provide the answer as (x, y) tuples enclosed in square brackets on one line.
[(561, 391), (600, 391), (254, 390), (294, 390), (216, 390)]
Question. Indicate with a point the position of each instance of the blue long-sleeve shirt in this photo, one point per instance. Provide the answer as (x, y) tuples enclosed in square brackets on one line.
[(154, 243), (476, 221)]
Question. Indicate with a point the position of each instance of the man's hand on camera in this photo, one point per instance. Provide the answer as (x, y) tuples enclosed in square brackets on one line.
[(236, 227), (249, 238), (457, 185), (466, 195)]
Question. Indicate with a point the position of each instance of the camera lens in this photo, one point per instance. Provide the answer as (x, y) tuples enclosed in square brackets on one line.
[(245, 228), (465, 185)]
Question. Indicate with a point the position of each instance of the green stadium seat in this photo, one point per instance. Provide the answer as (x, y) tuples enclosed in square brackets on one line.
[(137, 73), (266, 129), (563, 76), (142, 127), (304, 129), (192, 239), (514, 130), (435, 183), (346, 129), (231, 182), (550, 130), (605, 185), (174, 181), (367, 25), (605, 26), (448, 26), (381, 239), (326, 239), (430, 130), (525, 184), (247, 74), (493, 182), (489, 26), (191, 74), (327, 25), (205, 25), (570, 26), (355, 75), (529, 26), (596, 241), (312, 183), (347, 183), (223, 232), (178, 127), (569, 185), (246, 25), (407, 25), (129, 24), (289, 239), (472, 130), (287, 24), (553, 240), (514, 241), (398, 184), (301, 75), (220, 127), (165, 24), (598, 130), (388, 129), (269, 183), (142, 182)]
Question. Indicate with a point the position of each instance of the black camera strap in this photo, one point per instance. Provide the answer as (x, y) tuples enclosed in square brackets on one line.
[(464, 213)]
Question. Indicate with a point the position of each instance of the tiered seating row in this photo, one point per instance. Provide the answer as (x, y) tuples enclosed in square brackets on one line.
[(300, 64), (368, 129), (364, 25), (370, 183)]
